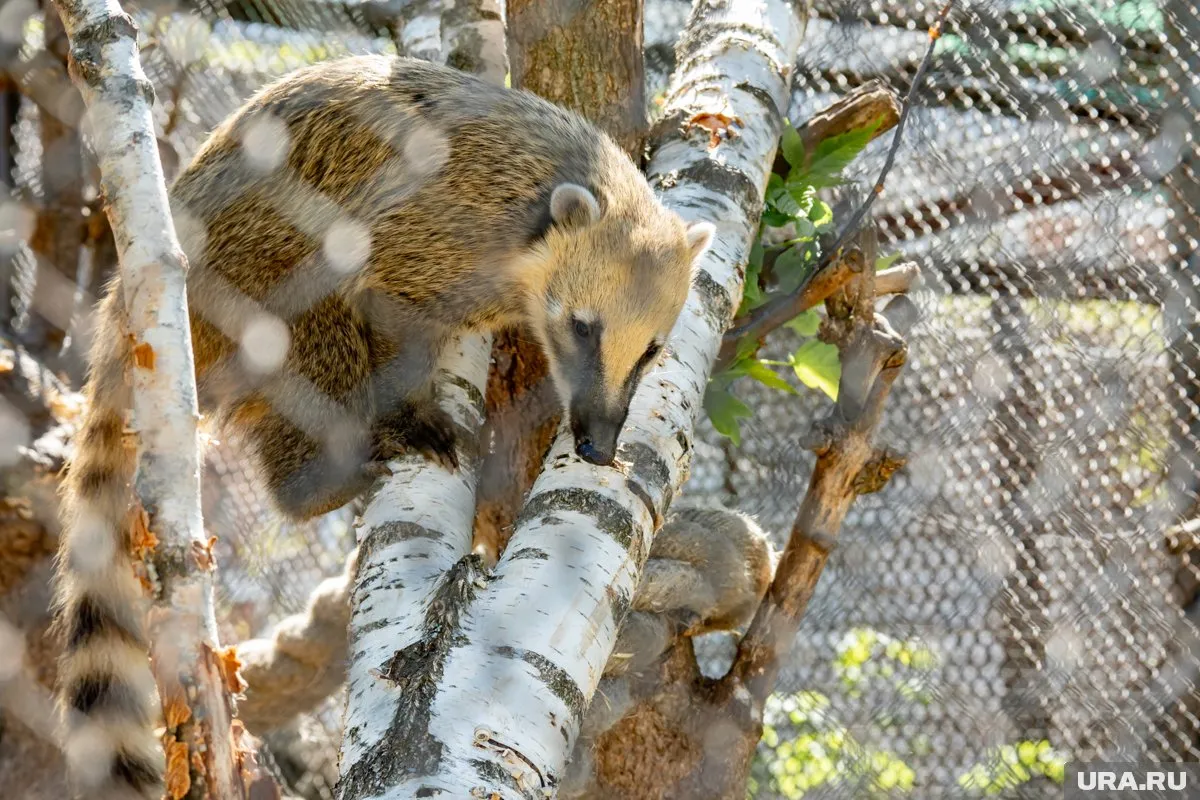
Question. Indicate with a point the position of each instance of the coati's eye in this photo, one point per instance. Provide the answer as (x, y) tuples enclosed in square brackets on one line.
[(582, 329)]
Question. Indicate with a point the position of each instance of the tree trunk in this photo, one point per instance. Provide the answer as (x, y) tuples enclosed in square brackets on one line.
[(586, 57), (195, 678)]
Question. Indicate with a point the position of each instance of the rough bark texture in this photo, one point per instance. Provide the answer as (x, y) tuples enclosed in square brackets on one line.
[(190, 667), (687, 736), (414, 573), (588, 58), (584, 56)]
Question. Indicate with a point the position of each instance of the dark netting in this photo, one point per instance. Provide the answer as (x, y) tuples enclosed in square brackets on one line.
[(1029, 577)]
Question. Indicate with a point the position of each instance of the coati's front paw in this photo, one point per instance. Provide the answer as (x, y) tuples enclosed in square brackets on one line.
[(435, 436), (428, 431)]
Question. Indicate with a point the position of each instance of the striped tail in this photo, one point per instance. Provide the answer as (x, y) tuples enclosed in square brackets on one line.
[(106, 688)]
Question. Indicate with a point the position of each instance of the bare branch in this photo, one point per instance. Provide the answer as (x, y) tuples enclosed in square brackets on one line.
[(415, 534), (848, 464)]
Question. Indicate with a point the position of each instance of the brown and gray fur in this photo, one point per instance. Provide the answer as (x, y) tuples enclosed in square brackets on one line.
[(707, 571), (482, 207)]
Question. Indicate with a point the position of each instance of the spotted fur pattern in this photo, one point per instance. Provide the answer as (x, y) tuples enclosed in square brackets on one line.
[(340, 228)]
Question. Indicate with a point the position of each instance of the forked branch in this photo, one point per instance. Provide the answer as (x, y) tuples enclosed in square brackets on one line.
[(873, 351)]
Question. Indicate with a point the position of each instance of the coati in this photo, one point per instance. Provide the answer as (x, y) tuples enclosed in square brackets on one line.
[(708, 570), (340, 228)]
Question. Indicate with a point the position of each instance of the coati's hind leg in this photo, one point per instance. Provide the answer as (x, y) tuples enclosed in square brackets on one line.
[(306, 477), (308, 422)]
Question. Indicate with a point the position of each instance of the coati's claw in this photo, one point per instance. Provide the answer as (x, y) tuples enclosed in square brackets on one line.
[(430, 432), (377, 469), (435, 438)]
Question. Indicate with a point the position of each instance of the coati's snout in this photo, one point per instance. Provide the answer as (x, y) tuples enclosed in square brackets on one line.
[(621, 267), (596, 436)]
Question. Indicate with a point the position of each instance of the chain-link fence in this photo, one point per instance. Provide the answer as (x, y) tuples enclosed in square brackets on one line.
[(1030, 577)]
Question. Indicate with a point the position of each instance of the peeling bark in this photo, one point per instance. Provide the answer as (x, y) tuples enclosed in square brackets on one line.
[(193, 675)]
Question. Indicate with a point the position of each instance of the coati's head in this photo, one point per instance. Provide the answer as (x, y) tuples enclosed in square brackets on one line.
[(620, 273)]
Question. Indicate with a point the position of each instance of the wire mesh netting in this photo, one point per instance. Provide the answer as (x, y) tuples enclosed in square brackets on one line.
[(1025, 590)]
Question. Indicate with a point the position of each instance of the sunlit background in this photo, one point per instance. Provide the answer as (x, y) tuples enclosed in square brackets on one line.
[(1023, 593)]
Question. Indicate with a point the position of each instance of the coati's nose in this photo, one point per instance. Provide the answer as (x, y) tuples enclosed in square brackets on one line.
[(586, 449)]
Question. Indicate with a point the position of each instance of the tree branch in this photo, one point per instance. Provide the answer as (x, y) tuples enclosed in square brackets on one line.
[(193, 675), (471, 703), (872, 351), (415, 533), (775, 313), (303, 663), (861, 106)]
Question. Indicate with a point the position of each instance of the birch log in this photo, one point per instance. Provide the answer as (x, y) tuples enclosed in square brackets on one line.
[(501, 669), (105, 66), (415, 532)]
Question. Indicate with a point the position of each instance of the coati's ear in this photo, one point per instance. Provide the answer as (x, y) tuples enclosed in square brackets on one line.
[(699, 237), (574, 206)]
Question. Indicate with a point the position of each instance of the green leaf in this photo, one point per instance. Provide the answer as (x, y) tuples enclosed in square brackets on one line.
[(805, 230), (768, 377), (792, 145), (817, 366), (884, 262), (782, 201), (804, 195), (791, 267), (834, 154), (725, 410), (820, 214), (805, 324), (752, 294), (775, 219)]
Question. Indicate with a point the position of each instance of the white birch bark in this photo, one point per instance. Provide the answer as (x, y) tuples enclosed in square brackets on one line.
[(415, 532), (495, 685), (118, 96)]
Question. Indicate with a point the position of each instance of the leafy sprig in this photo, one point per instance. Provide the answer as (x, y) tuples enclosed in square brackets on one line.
[(785, 254)]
